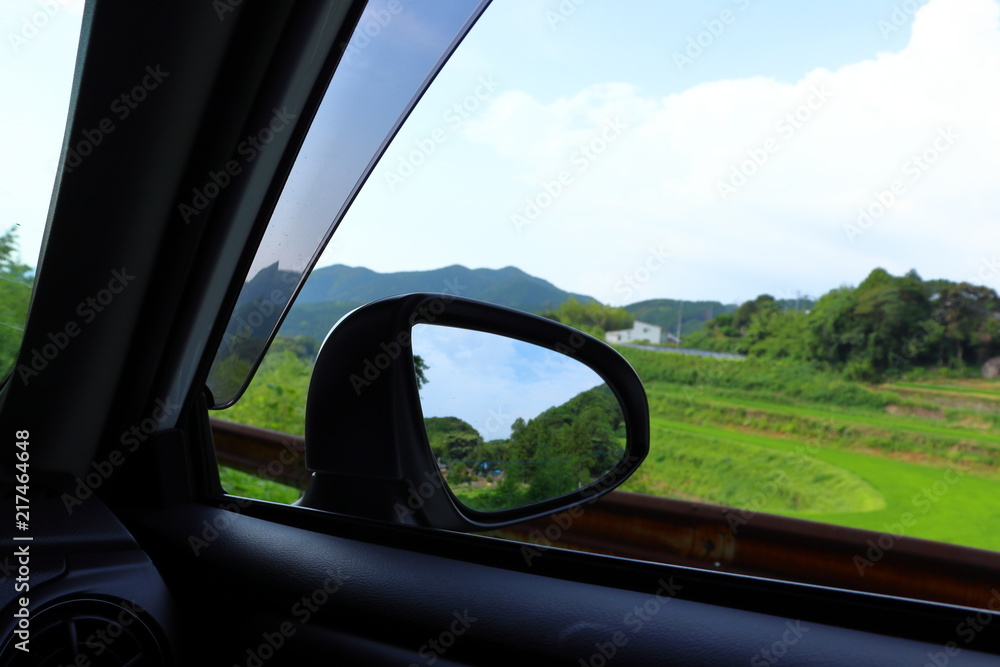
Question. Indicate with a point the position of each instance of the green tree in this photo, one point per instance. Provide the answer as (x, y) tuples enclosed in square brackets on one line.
[(883, 326), (16, 281), (725, 324), (593, 318), (742, 331), (592, 443), (521, 449), (968, 315), (779, 335), (763, 304), (889, 311), (462, 449), (554, 474), (833, 335)]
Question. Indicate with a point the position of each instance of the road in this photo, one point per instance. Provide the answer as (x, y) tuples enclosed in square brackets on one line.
[(683, 350)]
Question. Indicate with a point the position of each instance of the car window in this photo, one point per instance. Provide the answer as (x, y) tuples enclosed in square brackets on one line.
[(395, 48), (780, 213), (36, 76)]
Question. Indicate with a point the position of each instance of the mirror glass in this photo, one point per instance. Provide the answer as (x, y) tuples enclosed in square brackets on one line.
[(511, 423)]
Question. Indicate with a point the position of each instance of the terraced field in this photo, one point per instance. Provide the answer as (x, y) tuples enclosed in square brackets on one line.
[(928, 462)]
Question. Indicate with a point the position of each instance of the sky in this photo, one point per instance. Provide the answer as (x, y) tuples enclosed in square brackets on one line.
[(38, 43), (643, 149), (737, 148)]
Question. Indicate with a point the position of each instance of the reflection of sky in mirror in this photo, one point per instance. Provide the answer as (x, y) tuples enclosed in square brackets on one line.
[(489, 380)]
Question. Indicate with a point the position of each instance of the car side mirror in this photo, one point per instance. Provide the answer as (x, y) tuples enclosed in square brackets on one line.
[(434, 410)]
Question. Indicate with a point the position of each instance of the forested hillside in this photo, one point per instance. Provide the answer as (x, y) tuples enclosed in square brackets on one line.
[(556, 452), (509, 286), (886, 326), (332, 291)]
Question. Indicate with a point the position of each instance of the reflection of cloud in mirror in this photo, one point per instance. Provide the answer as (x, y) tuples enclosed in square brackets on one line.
[(489, 380)]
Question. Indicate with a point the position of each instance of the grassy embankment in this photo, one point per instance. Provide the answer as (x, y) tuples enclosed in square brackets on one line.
[(838, 452)]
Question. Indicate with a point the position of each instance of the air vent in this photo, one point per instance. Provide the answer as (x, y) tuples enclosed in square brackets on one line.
[(92, 632)]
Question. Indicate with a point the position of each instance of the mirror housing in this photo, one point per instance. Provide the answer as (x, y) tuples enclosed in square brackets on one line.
[(365, 439)]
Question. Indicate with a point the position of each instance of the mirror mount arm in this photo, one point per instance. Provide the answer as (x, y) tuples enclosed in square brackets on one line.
[(361, 497), (362, 425)]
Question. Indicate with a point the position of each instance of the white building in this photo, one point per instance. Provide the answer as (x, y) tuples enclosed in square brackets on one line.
[(640, 331)]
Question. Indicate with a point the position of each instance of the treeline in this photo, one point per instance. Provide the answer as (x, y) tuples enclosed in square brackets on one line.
[(593, 318), (887, 325), (16, 280), (562, 449)]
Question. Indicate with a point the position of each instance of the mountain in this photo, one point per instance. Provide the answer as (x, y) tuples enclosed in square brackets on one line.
[(333, 291), (509, 286)]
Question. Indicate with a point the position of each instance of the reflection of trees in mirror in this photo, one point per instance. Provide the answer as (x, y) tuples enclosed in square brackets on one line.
[(561, 450)]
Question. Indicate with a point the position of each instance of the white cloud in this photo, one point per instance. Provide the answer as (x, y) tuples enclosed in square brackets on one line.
[(37, 59), (858, 130)]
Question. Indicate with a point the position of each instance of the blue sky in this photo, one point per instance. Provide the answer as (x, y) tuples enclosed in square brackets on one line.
[(834, 193), (37, 55), (635, 41), (877, 87)]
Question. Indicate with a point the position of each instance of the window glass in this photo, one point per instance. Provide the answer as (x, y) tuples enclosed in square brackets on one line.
[(37, 60), (396, 47), (781, 213)]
